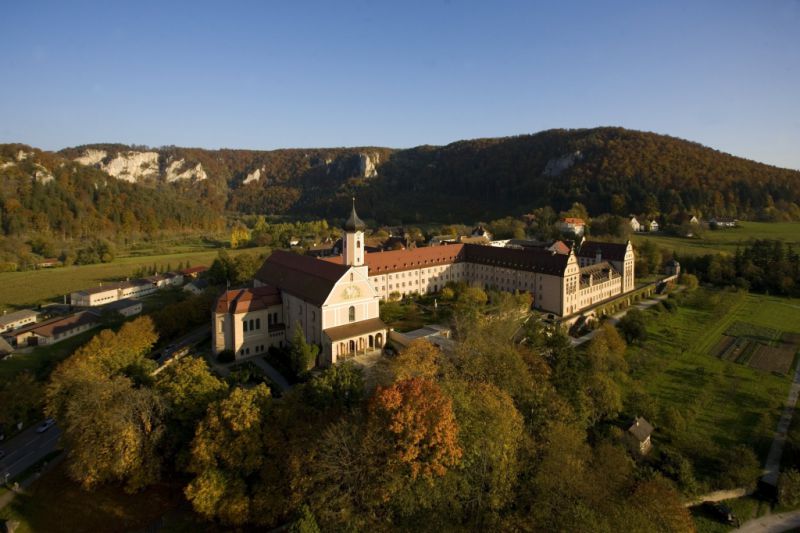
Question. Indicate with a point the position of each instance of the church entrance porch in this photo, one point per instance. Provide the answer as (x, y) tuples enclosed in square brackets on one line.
[(358, 338)]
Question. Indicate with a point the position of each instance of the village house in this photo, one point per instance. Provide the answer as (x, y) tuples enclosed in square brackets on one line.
[(335, 300), (192, 272), (127, 308), (96, 295), (54, 330), (723, 222), (575, 226), (639, 435), (635, 224), (481, 232), (652, 225), (196, 287), (17, 319)]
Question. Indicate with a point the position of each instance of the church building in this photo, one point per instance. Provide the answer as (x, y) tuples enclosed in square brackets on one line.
[(334, 305)]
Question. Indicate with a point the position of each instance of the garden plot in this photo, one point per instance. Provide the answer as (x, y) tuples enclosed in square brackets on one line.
[(760, 347)]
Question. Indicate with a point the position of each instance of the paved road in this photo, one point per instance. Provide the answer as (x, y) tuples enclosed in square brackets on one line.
[(773, 464), (195, 336), (774, 523), (270, 371), (25, 449)]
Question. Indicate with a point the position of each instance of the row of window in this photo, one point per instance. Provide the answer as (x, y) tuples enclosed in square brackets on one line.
[(252, 324), (256, 349)]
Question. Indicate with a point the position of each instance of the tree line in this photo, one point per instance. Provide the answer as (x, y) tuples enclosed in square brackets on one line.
[(765, 265), (501, 434)]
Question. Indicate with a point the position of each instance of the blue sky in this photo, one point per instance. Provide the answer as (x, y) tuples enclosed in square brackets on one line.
[(267, 75)]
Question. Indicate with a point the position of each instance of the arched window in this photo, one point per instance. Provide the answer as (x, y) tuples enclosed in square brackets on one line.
[(352, 313), (358, 245)]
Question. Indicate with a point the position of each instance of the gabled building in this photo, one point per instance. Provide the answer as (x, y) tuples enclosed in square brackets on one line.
[(17, 319), (575, 226), (334, 305), (639, 435), (635, 224)]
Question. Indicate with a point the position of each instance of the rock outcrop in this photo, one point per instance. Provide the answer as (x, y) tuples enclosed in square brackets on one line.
[(558, 165)]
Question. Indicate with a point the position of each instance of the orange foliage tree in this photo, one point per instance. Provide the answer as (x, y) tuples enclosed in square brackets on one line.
[(417, 420)]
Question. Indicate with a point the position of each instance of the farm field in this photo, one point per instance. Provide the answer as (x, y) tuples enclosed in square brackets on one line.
[(723, 403), (725, 240), (23, 289)]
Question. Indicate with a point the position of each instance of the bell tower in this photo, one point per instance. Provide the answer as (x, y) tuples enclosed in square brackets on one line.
[(353, 240)]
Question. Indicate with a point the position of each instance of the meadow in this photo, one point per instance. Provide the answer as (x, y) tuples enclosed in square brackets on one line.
[(725, 240), (722, 403), (33, 287)]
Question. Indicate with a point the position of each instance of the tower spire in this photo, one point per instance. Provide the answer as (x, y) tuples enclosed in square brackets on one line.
[(354, 223)]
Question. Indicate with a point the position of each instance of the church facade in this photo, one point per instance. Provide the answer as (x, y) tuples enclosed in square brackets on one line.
[(335, 301)]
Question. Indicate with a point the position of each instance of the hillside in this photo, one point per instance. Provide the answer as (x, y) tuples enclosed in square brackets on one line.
[(48, 200), (607, 169)]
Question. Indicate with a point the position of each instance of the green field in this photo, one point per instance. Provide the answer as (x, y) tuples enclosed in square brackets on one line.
[(32, 287), (725, 240), (723, 403)]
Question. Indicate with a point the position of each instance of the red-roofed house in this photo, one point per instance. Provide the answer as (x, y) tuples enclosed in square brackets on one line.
[(576, 226)]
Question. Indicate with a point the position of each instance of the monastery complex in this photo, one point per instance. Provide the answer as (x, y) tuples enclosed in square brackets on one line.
[(335, 301)]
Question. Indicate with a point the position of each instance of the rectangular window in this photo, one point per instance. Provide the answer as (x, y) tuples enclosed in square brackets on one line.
[(244, 325), (258, 323)]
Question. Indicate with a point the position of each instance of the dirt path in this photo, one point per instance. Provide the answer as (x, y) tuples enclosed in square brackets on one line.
[(773, 523)]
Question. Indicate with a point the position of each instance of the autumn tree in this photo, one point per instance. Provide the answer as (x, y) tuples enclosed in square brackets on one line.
[(417, 422), (112, 426), (228, 458), (187, 388), (419, 359)]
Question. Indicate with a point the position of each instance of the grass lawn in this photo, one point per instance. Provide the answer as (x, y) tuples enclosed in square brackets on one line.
[(56, 504), (32, 287), (723, 403), (726, 240)]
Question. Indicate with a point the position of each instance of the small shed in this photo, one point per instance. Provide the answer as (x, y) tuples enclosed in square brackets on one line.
[(639, 435)]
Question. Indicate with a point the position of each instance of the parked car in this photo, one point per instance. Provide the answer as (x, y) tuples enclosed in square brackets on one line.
[(721, 512), (44, 426)]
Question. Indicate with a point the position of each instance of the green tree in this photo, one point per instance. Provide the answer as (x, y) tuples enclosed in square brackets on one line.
[(341, 386), (302, 355)]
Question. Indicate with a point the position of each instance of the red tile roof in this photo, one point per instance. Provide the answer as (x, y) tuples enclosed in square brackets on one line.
[(397, 261), (302, 276), (247, 300), (400, 260), (573, 220), (49, 328), (193, 270)]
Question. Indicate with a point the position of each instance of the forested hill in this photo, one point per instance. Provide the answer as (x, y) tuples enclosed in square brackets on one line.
[(45, 194), (607, 169)]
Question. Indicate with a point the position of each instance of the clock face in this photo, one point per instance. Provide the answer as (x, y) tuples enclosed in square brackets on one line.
[(351, 291)]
